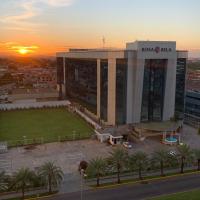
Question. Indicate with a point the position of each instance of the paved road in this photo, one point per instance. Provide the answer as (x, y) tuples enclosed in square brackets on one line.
[(138, 191)]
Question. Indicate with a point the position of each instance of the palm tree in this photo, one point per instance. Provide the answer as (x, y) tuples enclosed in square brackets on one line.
[(3, 184), (161, 157), (97, 168), (51, 173), (23, 179), (185, 155), (139, 161), (117, 160), (197, 157)]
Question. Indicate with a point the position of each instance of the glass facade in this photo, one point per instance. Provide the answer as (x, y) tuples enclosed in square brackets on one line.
[(180, 87), (81, 82), (121, 90), (192, 103), (60, 77), (104, 89), (153, 89)]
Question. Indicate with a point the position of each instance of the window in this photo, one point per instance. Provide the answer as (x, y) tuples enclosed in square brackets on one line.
[(104, 89), (81, 82), (153, 89), (121, 90), (180, 87)]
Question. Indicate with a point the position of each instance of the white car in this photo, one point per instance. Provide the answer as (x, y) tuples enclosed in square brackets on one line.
[(127, 145)]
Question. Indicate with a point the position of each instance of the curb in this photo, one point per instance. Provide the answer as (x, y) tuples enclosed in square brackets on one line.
[(35, 198), (150, 179)]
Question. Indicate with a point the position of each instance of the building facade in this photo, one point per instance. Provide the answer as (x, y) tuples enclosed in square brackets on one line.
[(145, 82), (192, 108)]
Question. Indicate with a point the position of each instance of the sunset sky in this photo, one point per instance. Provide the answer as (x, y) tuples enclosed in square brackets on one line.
[(42, 27)]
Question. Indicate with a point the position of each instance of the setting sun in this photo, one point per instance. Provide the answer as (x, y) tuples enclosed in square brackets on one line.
[(23, 51)]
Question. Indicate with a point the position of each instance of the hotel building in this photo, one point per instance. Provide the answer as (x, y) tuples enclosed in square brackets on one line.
[(144, 82)]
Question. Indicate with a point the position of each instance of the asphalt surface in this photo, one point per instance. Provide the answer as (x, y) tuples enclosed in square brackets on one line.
[(136, 191)]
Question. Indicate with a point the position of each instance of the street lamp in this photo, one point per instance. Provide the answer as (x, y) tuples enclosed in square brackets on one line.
[(82, 174)]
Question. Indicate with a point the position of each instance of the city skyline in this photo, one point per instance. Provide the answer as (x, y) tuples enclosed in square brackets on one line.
[(43, 27)]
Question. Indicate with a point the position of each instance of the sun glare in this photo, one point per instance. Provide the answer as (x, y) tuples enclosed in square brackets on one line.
[(23, 50)]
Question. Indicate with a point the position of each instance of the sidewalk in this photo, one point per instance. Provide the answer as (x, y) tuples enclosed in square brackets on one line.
[(131, 176), (72, 182), (18, 194)]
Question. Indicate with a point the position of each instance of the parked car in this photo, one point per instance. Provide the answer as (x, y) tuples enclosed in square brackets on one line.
[(127, 145)]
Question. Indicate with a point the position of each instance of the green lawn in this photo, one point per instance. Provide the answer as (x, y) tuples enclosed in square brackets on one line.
[(191, 195), (48, 124)]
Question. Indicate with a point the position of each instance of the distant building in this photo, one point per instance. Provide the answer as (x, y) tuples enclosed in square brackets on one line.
[(3, 70), (193, 80), (145, 82), (192, 108)]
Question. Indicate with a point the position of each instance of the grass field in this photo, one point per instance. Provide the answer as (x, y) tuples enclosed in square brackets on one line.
[(48, 124), (191, 195)]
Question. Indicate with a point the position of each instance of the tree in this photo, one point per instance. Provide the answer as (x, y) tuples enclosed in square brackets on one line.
[(97, 168), (185, 156), (197, 157), (117, 160), (3, 184), (139, 162), (23, 179), (161, 157), (51, 173)]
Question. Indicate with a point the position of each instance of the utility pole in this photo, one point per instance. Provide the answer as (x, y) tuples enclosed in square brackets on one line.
[(82, 173)]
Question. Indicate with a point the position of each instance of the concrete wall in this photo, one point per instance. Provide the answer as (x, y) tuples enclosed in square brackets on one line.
[(170, 90), (98, 88), (138, 90), (131, 76), (138, 75), (46, 95), (111, 90)]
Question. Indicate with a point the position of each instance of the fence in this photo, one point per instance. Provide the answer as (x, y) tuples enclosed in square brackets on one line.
[(48, 104), (39, 141), (3, 147), (87, 119)]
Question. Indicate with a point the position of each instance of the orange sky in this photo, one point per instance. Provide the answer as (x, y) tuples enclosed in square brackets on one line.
[(43, 27)]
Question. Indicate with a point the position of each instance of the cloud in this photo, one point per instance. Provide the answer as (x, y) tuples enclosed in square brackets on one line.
[(21, 21), (7, 44), (24, 49), (16, 47), (30, 9), (58, 3)]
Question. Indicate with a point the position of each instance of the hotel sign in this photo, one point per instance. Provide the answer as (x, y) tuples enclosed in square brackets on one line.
[(156, 49)]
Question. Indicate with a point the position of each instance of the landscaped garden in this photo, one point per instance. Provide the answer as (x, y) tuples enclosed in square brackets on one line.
[(41, 125), (47, 177), (120, 162)]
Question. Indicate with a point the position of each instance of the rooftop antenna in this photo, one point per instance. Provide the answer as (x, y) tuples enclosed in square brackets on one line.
[(104, 41)]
